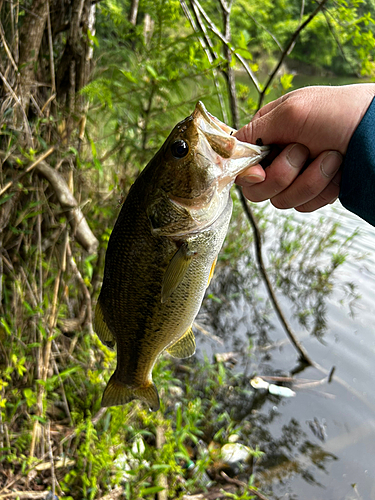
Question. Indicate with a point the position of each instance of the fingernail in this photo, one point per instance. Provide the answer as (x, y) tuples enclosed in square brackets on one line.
[(249, 180), (297, 155), (331, 163)]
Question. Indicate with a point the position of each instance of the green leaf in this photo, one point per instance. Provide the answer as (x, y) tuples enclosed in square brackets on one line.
[(286, 81), (151, 490), (92, 38)]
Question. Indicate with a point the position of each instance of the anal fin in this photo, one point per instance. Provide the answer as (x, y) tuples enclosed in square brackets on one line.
[(101, 328), (184, 347), (116, 394)]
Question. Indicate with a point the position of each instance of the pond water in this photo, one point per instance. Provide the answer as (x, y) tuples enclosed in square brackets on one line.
[(319, 444)]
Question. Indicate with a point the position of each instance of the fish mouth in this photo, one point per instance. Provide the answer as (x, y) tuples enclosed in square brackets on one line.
[(237, 155), (214, 122)]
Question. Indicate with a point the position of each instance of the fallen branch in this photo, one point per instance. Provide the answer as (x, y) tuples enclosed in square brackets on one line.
[(215, 493), (81, 230), (243, 485), (28, 169), (34, 495), (116, 493)]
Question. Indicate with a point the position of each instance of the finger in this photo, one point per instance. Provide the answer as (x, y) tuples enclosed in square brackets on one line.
[(269, 124), (253, 175), (279, 175), (327, 196), (311, 182)]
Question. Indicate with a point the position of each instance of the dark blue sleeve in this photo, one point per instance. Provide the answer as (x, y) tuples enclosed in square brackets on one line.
[(357, 192)]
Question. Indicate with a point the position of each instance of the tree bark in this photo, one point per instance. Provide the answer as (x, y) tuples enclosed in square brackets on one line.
[(31, 35)]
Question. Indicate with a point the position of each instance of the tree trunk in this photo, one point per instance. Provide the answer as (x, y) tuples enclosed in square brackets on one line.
[(31, 35)]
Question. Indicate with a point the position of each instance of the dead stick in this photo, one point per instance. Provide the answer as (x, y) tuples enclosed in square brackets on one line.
[(162, 479), (244, 485), (32, 495), (30, 167), (50, 454)]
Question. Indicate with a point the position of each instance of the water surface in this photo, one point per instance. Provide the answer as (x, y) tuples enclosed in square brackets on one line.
[(321, 443)]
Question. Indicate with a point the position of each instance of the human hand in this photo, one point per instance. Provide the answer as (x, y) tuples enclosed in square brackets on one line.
[(311, 124)]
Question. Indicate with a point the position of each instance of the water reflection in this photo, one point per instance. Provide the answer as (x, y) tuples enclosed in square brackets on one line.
[(317, 292)]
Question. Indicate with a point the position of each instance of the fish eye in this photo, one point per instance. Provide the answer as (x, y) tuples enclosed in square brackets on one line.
[(179, 149)]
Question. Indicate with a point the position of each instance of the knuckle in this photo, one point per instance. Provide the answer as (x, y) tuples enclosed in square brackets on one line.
[(253, 195), (279, 184), (281, 202), (309, 190)]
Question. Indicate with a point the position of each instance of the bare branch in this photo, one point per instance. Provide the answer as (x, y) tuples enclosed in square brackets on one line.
[(243, 485), (217, 32), (82, 231), (28, 169), (7, 50), (304, 357), (207, 46), (288, 49), (50, 46), (26, 123)]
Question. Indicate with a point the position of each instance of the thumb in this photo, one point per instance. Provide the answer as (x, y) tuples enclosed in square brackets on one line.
[(268, 124), (267, 128)]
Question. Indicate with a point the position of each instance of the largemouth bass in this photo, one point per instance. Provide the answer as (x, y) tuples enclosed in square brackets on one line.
[(163, 249)]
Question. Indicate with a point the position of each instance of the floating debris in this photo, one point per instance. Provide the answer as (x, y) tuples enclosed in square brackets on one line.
[(277, 390), (236, 456), (224, 357)]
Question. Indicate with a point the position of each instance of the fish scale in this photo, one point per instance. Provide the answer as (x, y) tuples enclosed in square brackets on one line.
[(163, 249)]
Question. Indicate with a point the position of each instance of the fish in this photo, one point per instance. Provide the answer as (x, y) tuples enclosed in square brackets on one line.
[(163, 249)]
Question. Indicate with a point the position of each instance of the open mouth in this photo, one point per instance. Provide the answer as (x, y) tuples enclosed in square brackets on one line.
[(213, 121), (221, 139)]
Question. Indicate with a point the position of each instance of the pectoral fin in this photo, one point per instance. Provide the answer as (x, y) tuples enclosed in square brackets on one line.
[(176, 271), (101, 328), (184, 347), (116, 394)]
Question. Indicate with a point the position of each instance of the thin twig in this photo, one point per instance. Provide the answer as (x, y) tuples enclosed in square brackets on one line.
[(217, 32), (85, 290), (258, 247), (50, 45), (7, 50), (266, 30), (50, 454), (243, 485), (207, 46), (287, 51), (27, 126), (341, 48), (162, 479), (28, 169)]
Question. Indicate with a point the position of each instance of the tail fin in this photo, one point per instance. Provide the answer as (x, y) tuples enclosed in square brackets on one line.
[(116, 394)]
